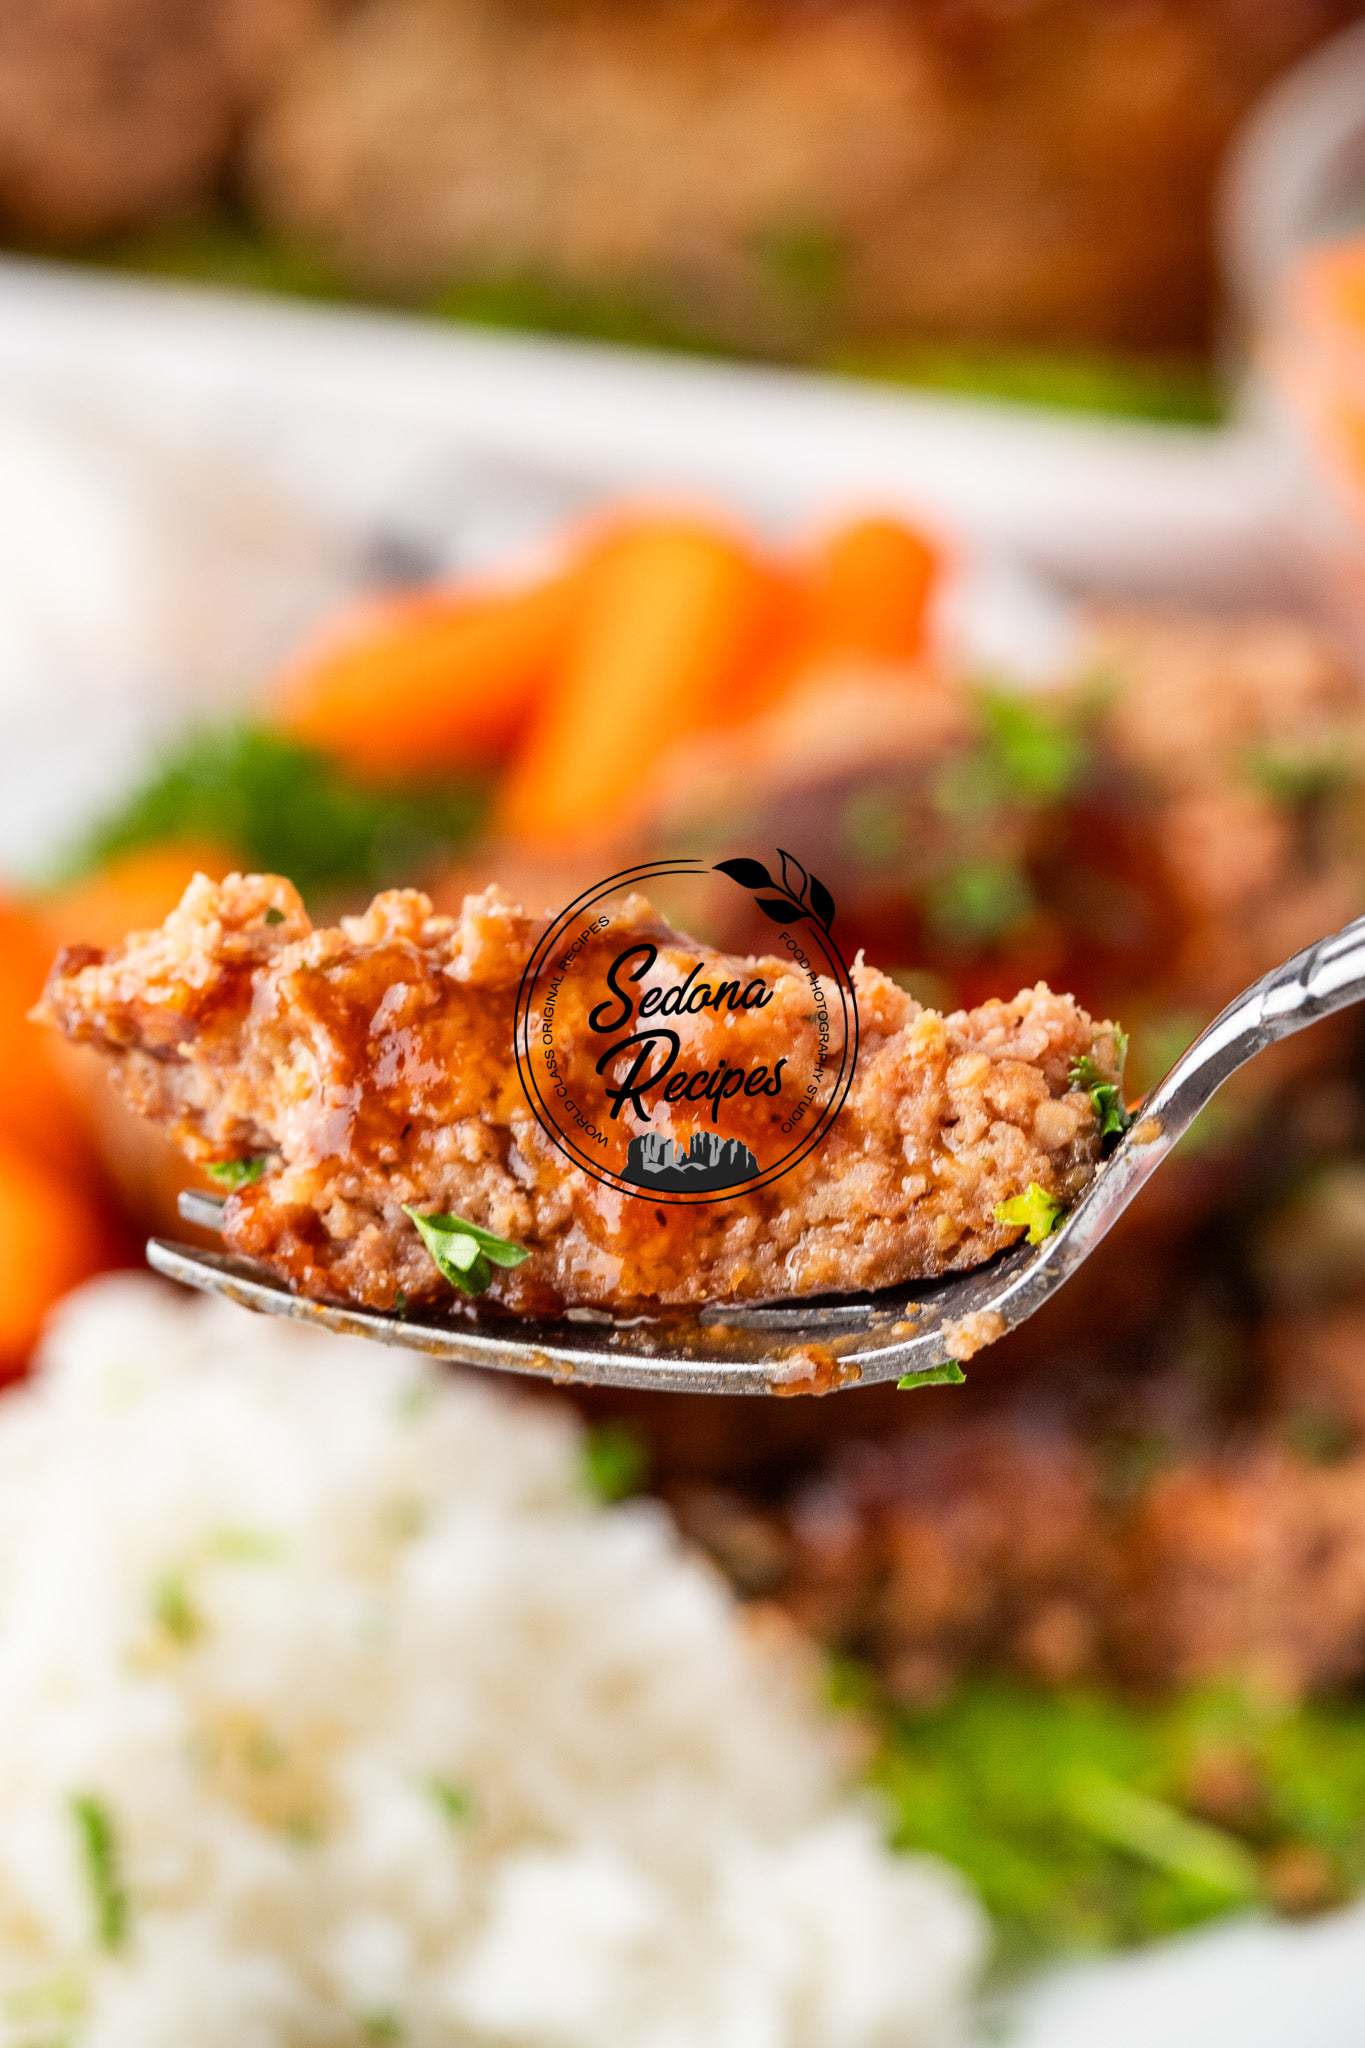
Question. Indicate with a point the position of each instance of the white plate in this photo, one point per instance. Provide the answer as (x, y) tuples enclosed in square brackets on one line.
[(1119, 504), (1252, 1983)]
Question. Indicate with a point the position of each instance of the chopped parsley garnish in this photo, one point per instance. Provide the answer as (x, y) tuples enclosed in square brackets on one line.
[(613, 1461), (1027, 752), (463, 1253), (174, 1610), (284, 808), (245, 1546), (1035, 1211), (99, 1848), (1067, 380), (1111, 1112), (949, 1374), (1155, 1832), (980, 901), (59, 1997), (236, 1173), (1302, 774), (1036, 752), (806, 261), (382, 2025), (872, 827), (1088, 1820), (1319, 1436), (454, 1801)]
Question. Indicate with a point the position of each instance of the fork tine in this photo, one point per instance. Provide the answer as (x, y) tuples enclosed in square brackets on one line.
[(201, 1208), (681, 1353)]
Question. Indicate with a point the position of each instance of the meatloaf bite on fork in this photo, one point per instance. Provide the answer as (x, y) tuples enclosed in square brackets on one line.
[(348, 1077)]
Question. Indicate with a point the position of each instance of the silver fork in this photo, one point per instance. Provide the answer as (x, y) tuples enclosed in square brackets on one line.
[(821, 1345)]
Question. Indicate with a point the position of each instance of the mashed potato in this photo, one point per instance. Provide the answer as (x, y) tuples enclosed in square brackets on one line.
[(333, 1710)]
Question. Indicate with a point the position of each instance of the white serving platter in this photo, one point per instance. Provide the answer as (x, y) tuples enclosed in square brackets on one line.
[(1167, 509)]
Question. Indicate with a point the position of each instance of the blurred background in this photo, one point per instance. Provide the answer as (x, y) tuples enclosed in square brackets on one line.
[(453, 440)]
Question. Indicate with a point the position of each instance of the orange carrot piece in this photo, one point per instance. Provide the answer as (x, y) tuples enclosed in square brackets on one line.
[(53, 1237), (674, 621), (36, 1110), (416, 684), (1329, 283), (870, 587)]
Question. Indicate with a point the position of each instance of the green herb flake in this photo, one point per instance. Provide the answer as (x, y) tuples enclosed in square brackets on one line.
[(1298, 775), (451, 1799), (244, 1546), (175, 1612), (1173, 390), (463, 1253), (872, 828), (381, 2025), (1036, 750), (1320, 1437), (284, 808), (979, 902), (416, 1398), (1154, 1831), (949, 1374), (61, 1997), (1111, 1111), (236, 1173), (806, 261), (613, 1461), (1088, 1821), (1106, 1099), (99, 1849), (1035, 1211)]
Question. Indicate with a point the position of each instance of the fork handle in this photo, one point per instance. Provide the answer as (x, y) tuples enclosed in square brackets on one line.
[(1326, 976)]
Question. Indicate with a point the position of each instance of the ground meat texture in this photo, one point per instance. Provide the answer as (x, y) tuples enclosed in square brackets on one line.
[(1241, 746), (117, 112), (785, 175), (372, 1065), (1005, 1543)]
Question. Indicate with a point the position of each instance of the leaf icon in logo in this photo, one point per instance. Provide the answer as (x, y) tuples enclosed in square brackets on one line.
[(794, 877), (780, 910), (822, 903), (750, 874)]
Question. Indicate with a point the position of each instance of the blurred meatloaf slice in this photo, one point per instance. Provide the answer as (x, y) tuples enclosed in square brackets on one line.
[(370, 1066), (788, 175)]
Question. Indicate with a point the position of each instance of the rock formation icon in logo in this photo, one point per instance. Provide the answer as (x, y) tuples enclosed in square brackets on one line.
[(709, 1161)]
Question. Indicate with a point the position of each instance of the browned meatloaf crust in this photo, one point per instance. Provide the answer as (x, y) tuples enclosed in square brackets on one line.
[(1004, 1544), (372, 1064), (786, 174), (116, 112)]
